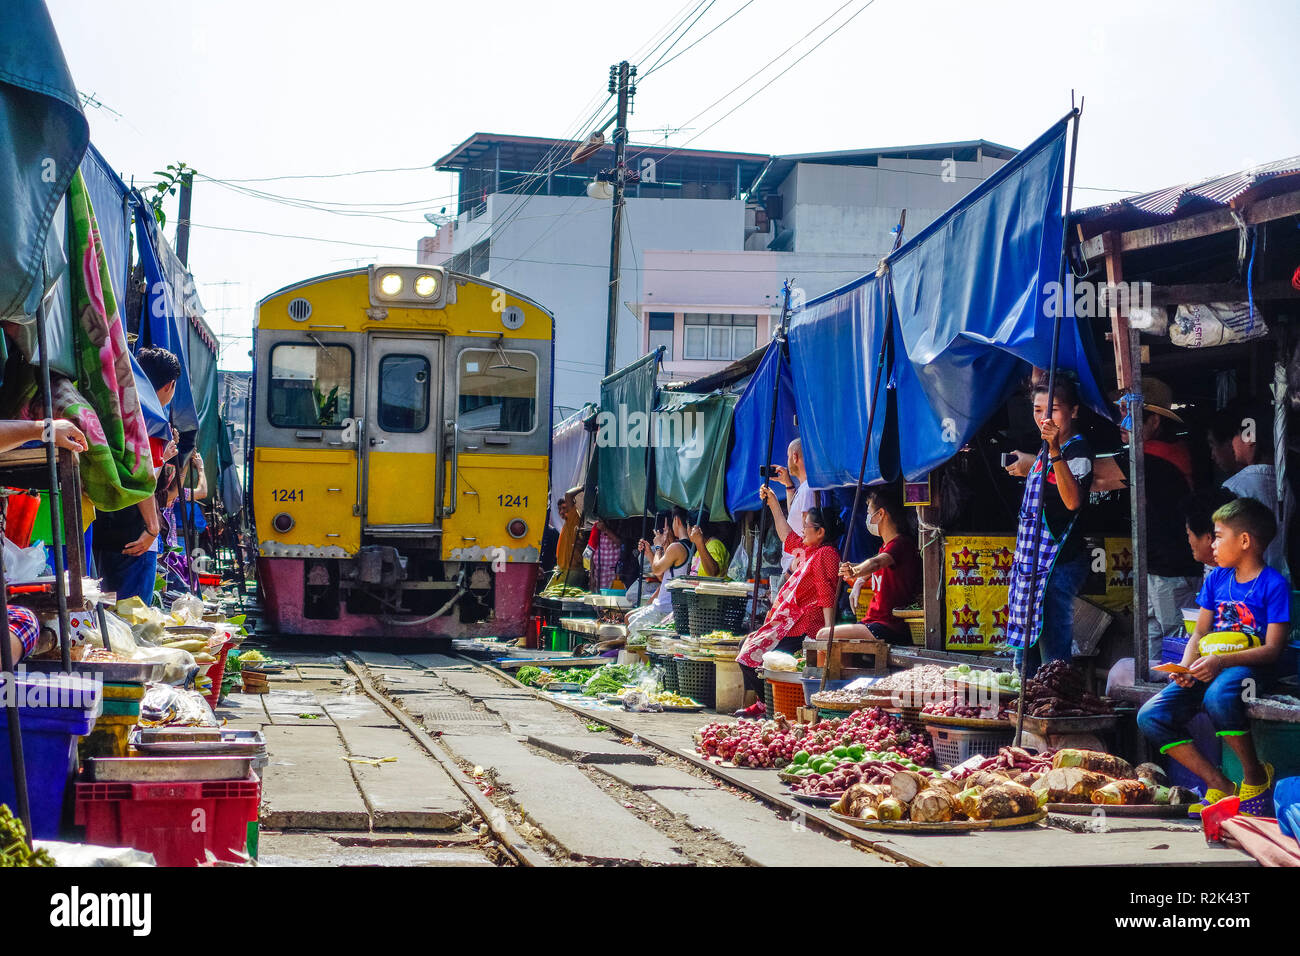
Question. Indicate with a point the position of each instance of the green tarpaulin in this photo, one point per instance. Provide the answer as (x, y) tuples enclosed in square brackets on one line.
[(693, 433), (627, 400)]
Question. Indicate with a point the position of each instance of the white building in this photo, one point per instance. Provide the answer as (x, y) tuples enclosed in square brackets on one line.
[(709, 238)]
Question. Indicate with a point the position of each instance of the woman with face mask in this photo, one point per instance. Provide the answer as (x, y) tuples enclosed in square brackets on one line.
[(893, 575)]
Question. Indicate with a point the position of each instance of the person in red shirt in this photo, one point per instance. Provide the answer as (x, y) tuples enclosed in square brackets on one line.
[(894, 574)]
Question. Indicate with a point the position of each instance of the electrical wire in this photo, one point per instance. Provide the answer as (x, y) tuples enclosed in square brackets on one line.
[(660, 66), (707, 7), (357, 172)]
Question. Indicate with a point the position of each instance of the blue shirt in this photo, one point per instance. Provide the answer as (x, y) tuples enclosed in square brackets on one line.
[(1250, 607)]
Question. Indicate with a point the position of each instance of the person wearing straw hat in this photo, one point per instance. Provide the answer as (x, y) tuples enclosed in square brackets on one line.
[(1173, 573)]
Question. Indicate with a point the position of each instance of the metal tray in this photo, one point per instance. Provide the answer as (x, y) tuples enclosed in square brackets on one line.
[(198, 741), (818, 799), (113, 672), (1045, 726), (168, 769), (1157, 810)]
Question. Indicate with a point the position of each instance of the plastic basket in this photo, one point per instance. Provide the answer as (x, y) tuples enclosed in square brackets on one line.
[(121, 708), (716, 612), (108, 738), (668, 668), (1172, 648), (954, 745), (697, 680), (159, 818), (811, 685), (683, 599), (769, 698), (217, 672), (787, 698)]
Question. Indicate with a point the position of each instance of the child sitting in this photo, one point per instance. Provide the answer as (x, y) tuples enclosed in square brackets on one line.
[(1243, 624)]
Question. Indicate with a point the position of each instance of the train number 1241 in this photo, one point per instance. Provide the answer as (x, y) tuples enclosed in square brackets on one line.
[(288, 494), (512, 501)]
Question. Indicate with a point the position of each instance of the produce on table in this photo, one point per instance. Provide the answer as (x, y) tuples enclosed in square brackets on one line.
[(1096, 761), (773, 743), (1057, 691), (926, 679), (13, 843), (953, 707)]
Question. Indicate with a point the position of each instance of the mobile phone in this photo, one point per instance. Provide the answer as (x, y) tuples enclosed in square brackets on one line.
[(767, 471), (1009, 458)]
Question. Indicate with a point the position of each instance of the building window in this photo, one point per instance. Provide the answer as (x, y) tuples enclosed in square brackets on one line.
[(497, 390), (311, 386), (661, 333), (403, 393), (719, 337)]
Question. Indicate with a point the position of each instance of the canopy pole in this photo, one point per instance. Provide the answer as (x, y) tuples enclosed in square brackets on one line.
[(16, 758), (1051, 400), (866, 448), (756, 555), (645, 506), (56, 496)]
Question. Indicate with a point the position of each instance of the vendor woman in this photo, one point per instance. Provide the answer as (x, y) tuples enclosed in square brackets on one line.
[(670, 556), (806, 601), (1057, 480)]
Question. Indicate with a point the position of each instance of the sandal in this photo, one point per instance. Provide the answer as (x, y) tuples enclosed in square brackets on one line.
[(1257, 800), (1212, 797)]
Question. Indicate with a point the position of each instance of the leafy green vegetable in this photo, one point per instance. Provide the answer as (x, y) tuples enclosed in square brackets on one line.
[(608, 679), (527, 675)]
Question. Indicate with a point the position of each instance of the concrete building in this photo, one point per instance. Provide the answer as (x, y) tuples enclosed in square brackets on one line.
[(709, 238)]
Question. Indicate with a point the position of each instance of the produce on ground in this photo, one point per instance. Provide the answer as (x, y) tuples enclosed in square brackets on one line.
[(667, 698), (1009, 761), (611, 678), (1096, 761), (834, 781), (774, 743), (1126, 792), (13, 843), (1057, 691)]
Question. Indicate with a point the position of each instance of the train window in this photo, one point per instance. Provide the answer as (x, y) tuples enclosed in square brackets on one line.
[(311, 386), (497, 390), (403, 393)]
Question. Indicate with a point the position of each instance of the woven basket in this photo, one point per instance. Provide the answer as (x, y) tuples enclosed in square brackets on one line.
[(715, 612), (697, 680), (683, 600)]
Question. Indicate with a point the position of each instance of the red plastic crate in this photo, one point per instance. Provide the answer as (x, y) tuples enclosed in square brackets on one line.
[(217, 672), (163, 818)]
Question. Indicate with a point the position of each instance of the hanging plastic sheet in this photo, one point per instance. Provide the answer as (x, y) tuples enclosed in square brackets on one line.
[(108, 197), (692, 434), (627, 399), (56, 280), (44, 137), (973, 294), (835, 344), (571, 448), (750, 426), (164, 323)]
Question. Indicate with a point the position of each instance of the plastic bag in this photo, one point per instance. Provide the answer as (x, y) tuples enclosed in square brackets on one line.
[(164, 705), (780, 661), (187, 609), (25, 564), (638, 701)]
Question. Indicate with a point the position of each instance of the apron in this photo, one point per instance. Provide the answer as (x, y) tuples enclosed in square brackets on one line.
[(1025, 623), (779, 621)]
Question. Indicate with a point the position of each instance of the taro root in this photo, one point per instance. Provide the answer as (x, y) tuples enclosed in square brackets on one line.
[(933, 806), (1151, 773), (891, 809), (1006, 800), (943, 783), (862, 795), (1095, 761), (987, 778), (1070, 785), (1028, 778), (968, 802), (905, 785)]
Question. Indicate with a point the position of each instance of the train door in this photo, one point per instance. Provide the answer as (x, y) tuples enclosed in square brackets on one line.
[(402, 433)]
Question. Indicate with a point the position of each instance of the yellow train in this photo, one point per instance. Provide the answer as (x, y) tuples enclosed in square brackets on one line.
[(400, 453)]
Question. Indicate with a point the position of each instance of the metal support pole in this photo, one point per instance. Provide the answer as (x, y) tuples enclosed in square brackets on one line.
[(619, 82), (16, 758), (56, 497)]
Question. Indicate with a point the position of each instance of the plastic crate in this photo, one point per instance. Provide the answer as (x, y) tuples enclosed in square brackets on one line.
[(668, 671), (697, 680), (683, 599), (787, 698), (716, 612), (954, 745), (217, 672), (121, 708), (49, 747), (164, 818), (108, 738), (123, 691), (1172, 648)]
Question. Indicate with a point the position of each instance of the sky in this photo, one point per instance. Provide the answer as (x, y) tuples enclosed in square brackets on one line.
[(1174, 92)]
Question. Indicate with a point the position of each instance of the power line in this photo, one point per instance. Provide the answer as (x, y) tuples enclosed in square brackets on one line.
[(660, 66), (355, 172), (678, 40)]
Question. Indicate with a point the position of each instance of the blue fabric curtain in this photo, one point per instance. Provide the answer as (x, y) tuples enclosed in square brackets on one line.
[(43, 136), (750, 427), (108, 198), (835, 344), (972, 294)]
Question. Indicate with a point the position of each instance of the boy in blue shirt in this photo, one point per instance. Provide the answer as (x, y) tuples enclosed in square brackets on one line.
[(1242, 628)]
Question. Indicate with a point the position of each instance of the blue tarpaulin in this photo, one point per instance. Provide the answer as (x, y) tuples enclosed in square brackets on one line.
[(108, 197), (750, 427), (835, 344), (972, 302), (43, 135)]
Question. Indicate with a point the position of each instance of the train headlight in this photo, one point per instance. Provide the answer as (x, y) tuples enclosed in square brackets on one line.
[(517, 528), (283, 522), (426, 285), (391, 284)]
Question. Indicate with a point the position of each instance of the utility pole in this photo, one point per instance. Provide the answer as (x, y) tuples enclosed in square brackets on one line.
[(183, 220), (620, 78)]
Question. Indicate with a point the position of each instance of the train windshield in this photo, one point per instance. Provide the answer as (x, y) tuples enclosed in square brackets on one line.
[(311, 386), (498, 390)]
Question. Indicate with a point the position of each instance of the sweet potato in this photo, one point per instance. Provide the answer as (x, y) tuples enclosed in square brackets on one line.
[(1122, 792)]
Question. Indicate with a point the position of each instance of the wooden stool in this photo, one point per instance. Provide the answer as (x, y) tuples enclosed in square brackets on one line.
[(849, 659)]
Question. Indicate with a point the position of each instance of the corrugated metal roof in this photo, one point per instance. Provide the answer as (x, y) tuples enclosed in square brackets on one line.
[(1173, 201)]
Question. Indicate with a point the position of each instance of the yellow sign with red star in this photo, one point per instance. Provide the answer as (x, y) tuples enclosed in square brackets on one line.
[(977, 579)]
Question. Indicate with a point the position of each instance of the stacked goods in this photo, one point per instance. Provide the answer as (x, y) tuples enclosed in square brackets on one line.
[(1057, 691), (1010, 763), (13, 843), (774, 743)]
